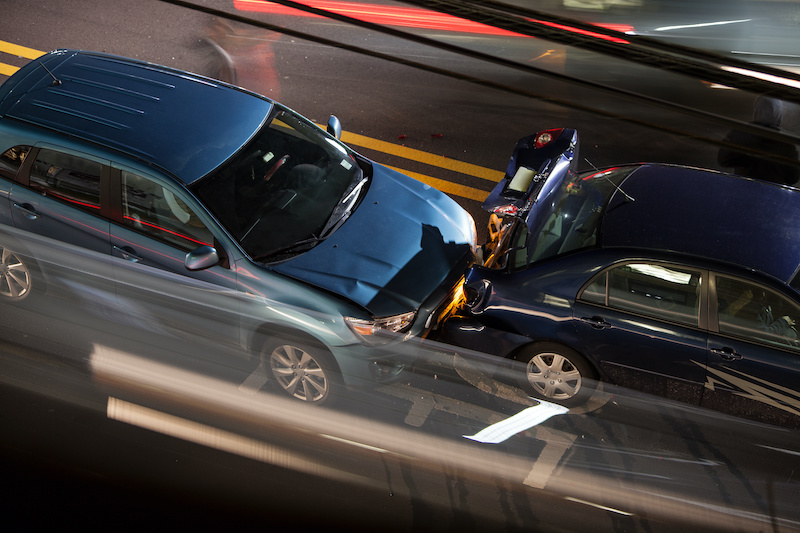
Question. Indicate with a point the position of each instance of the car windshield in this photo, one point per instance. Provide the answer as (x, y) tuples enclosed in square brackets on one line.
[(572, 221), (289, 188)]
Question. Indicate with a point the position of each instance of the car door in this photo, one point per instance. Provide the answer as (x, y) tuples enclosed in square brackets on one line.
[(754, 354), (157, 225), (61, 194), (60, 197), (641, 321), (10, 162)]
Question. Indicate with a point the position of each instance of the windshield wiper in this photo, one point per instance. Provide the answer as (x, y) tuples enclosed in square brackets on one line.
[(344, 209), (296, 247)]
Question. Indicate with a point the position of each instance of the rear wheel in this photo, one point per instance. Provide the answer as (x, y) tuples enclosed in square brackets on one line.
[(555, 372), (302, 370), (17, 278)]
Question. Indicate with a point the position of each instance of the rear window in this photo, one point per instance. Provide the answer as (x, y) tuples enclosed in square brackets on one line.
[(11, 160), (70, 179), (572, 221)]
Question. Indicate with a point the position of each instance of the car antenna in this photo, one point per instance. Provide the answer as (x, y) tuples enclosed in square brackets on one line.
[(627, 196), (56, 81)]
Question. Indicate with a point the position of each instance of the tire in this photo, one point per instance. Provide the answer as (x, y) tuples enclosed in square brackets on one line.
[(555, 372), (18, 277), (302, 370)]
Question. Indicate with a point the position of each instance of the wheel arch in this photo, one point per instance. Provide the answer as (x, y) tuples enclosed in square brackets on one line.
[(266, 331)]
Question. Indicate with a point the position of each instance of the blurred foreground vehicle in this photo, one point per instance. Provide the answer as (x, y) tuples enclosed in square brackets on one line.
[(169, 171), (676, 281)]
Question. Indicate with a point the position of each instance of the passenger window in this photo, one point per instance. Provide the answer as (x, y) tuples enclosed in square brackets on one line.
[(662, 291), (159, 212), (71, 179), (11, 160), (755, 312)]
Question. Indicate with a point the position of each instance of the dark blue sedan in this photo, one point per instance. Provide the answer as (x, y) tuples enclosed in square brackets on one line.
[(676, 281)]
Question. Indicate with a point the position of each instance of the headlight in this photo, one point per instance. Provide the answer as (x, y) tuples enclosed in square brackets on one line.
[(372, 330)]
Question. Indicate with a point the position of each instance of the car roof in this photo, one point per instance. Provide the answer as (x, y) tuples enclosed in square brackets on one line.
[(184, 123), (709, 214)]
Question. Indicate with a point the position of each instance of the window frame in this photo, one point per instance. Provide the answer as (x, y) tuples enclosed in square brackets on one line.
[(24, 176)]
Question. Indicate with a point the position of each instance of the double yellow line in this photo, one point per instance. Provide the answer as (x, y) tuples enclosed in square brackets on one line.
[(16, 50), (426, 158)]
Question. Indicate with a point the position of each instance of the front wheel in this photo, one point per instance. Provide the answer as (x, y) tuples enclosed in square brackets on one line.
[(554, 372), (304, 371)]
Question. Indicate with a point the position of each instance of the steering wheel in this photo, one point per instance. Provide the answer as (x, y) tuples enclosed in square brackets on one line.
[(278, 164)]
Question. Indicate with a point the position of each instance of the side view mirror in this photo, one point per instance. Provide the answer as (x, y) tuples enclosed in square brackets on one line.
[(201, 258), (335, 127)]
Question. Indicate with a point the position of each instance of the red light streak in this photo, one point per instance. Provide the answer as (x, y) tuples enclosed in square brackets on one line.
[(165, 230), (408, 17)]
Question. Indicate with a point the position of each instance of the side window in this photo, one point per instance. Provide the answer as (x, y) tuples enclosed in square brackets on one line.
[(749, 310), (68, 178), (11, 160), (662, 291), (160, 213), (595, 292)]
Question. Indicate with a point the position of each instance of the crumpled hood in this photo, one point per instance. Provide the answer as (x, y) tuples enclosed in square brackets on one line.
[(404, 241)]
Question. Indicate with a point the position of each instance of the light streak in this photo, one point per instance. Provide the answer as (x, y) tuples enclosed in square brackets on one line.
[(411, 17)]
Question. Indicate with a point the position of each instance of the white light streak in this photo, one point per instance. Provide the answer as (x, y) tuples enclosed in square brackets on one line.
[(763, 76), (702, 25), (598, 506)]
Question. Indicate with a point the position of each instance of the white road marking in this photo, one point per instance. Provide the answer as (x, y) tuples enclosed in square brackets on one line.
[(255, 381), (526, 419), (557, 445)]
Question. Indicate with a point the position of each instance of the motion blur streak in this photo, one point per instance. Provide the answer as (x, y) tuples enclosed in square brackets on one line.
[(701, 25), (410, 17), (763, 76), (179, 387), (603, 507), (324, 442), (204, 435)]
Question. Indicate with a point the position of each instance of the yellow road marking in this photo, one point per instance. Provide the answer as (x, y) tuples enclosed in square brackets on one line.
[(447, 187), (7, 70), (21, 51), (422, 157), (412, 154)]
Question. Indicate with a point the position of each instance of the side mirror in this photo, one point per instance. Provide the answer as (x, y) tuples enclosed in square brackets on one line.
[(201, 258), (335, 127)]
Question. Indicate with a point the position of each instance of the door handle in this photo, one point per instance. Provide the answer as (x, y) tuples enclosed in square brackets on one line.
[(596, 322), (28, 211), (127, 253), (728, 354)]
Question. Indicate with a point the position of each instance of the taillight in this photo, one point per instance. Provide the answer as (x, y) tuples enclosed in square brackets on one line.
[(546, 137), (510, 209)]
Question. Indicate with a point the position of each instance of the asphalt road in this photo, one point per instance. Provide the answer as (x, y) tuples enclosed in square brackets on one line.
[(630, 465)]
